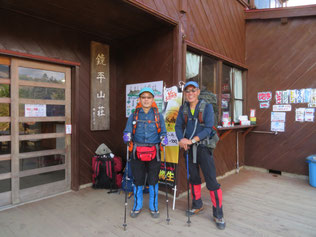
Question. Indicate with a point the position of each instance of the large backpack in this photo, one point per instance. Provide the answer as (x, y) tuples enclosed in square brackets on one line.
[(210, 98), (106, 172), (206, 97)]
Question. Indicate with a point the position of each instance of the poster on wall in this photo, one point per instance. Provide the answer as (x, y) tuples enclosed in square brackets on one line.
[(264, 105), (307, 97), (264, 96), (278, 121), (280, 108), (300, 114), (132, 91), (285, 97), (313, 96), (309, 114), (277, 127), (292, 96), (300, 96), (278, 97)]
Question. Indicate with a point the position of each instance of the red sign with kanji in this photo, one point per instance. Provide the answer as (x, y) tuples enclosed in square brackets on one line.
[(265, 96)]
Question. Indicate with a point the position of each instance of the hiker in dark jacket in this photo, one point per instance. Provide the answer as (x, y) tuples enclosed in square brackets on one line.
[(192, 136), (145, 130)]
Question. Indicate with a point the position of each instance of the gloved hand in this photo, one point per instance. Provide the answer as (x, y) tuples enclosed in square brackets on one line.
[(127, 137), (164, 140)]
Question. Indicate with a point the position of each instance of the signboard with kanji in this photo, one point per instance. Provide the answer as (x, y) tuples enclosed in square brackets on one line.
[(100, 83), (264, 96)]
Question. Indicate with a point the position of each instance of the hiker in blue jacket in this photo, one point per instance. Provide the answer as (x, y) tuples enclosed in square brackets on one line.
[(193, 133), (145, 130)]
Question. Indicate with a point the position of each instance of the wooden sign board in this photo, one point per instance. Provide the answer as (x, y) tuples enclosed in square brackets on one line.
[(100, 87)]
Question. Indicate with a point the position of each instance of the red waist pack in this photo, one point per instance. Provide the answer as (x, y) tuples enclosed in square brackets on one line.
[(146, 153)]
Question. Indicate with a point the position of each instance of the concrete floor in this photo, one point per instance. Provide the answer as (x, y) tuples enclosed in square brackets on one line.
[(255, 204)]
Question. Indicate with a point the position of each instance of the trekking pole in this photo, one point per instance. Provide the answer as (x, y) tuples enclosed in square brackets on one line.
[(167, 200), (126, 178), (188, 177)]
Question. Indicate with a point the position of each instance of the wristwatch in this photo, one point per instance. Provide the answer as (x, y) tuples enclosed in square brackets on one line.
[(193, 141)]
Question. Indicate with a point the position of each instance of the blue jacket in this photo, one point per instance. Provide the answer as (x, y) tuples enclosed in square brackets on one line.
[(146, 132), (201, 131)]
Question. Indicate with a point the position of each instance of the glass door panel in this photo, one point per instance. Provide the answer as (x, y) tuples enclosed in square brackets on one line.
[(5, 131), (40, 146)]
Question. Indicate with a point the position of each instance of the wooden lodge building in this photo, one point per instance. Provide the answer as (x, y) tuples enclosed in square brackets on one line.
[(46, 141)]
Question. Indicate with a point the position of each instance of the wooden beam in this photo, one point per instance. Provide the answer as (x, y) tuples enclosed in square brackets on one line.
[(37, 57), (272, 13), (41, 136), (215, 54)]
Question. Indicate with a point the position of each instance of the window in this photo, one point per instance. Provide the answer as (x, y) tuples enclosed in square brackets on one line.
[(203, 69), (232, 93)]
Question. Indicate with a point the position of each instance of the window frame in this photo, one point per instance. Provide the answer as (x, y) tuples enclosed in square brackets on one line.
[(218, 81)]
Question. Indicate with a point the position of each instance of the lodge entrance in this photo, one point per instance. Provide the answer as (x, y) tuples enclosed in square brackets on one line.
[(35, 108)]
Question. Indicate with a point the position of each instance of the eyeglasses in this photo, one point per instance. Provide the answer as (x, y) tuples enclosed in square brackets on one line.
[(193, 91), (146, 97)]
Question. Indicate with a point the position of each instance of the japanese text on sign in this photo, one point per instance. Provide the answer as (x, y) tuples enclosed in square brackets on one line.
[(100, 106), (264, 96)]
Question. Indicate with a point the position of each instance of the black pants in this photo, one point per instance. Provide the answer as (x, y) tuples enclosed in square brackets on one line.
[(140, 168), (206, 162)]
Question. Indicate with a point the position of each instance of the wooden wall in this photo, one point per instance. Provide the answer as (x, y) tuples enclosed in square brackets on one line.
[(150, 55), (218, 25), (146, 57), (280, 57)]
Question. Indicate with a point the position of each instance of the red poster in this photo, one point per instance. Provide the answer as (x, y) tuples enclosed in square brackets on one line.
[(264, 96)]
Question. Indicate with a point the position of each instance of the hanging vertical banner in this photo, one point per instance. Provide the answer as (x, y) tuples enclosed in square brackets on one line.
[(307, 97), (300, 96), (292, 96), (99, 87), (132, 91), (278, 97), (170, 116), (285, 97), (313, 96), (172, 149)]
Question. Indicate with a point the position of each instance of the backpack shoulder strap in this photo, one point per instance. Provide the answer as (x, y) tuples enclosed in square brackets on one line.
[(157, 116), (201, 110), (185, 113)]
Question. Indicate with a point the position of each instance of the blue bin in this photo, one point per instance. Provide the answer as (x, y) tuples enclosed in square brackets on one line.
[(312, 169)]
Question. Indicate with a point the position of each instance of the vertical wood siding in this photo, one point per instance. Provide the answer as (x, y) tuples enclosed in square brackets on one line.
[(218, 25), (281, 57)]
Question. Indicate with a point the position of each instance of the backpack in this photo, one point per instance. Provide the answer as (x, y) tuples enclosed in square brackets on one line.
[(130, 179), (106, 171), (210, 98), (206, 97)]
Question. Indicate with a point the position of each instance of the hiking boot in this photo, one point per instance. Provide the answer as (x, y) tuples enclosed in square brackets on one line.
[(220, 223), (193, 211), (135, 214), (154, 214)]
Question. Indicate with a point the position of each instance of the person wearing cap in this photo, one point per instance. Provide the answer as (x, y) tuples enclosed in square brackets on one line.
[(191, 134), (145, 130)]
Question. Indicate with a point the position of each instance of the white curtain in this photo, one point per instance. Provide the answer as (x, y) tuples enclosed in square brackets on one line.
[(238, 84), (238, 94), (192, 65)]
